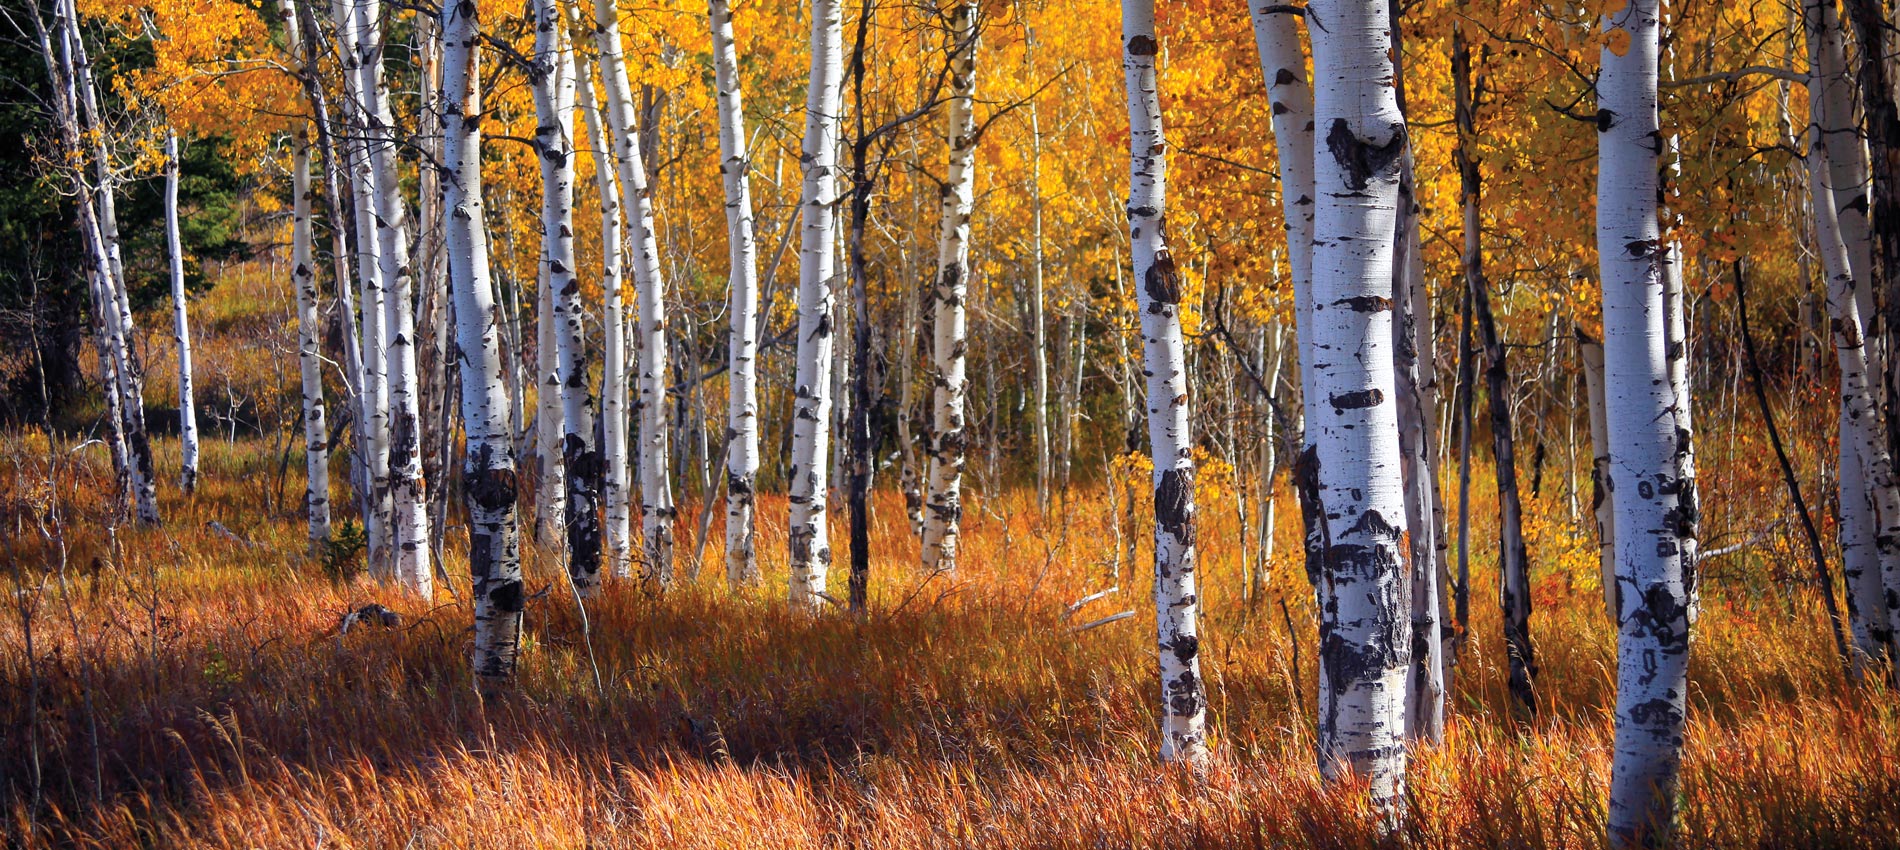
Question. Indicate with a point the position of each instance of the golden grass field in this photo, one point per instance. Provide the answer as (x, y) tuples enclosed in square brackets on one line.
[(177, 688)]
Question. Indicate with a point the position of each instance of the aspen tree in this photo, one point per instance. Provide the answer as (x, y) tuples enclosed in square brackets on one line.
[(1602, 501), (1645, 439), (656, 495), (494, 544), (303, 277), (1164, 360), (372, 422), (742, 405), (1355, 475), (810, 546), (181, 324), (943, 501)]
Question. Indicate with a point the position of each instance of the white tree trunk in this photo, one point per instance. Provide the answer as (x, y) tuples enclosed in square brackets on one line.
[(574, 452), (408, 516), (943, 502), (656, 495), (1602, 502), (810, 544), (742, 403), (303, 276), (181, 325), (550, 495), (373, 394), (1164, 360), (614, 488), (1653, 598), (494, 544), (81, 98), (1365, 629)]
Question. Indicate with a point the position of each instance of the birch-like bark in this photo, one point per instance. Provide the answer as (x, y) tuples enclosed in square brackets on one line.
[(1846, 159), (1412, 344), (575, 453), (181, 324), (1645, 439), (1602, 501), (1164, 360), (373, 393), (1868, 496), (82, 101), (742, 277), (614, 486), (656, 495), (408, 496), (494, 546), (303, 276), (943, 502), (1039, 351), (550, 496), (810, 545), (1365, 628)]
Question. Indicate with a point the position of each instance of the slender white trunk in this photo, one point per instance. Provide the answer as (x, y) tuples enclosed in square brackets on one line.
[(373, 394), (614, 486), (181, 325), (494, 544), (303, 276), (1602, 501), (81, 98), (1653, 598), (656, 495), (408, 497), (810, 544), (1037, 308), (1869, 500), (551, 490), (1365, 629), (1834, 115), (1170, 442), (943, 502), (1412, 342), (742, 403)]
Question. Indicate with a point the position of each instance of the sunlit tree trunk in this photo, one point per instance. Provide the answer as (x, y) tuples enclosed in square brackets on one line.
[(1365, 627), (1645, 439), (554, 90), (373, 394), (614, 488), (656, 495), (742, 402), (82, 101), (810, 545), (303, 276), (1164, 360), (943, 503), (550, 497), (1039, 352), (408, 534), (494, 545), (181, 324)]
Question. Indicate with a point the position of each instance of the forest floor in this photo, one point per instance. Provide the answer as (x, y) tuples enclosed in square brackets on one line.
[(182, 687)]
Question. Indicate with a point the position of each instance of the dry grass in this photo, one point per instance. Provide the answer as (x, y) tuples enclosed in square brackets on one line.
[(183, 690), (174, 688)]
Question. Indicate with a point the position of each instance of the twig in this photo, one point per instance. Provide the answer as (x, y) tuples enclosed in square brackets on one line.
[(1102, 622), (1079, 603)]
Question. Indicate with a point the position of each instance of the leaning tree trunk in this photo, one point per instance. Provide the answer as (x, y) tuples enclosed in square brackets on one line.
[(555, 83), (309, 356), (742, 352), (943, 503), (1602, 501), (1365, 630), (656, 495), (614, 485), (810, 546), (181, 325), (1868, 497), (1514, 589), (1164, 359), (82, 99), (1645, 439), (408, 513), (494, 544)]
